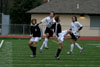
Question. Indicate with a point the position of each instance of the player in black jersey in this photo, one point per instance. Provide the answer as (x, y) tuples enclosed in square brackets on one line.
[(36, 34)]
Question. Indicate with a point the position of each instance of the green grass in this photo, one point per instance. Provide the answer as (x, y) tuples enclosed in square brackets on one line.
[(16, 53)]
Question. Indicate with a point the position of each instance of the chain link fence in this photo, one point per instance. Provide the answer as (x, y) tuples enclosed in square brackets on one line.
[(24, 29)]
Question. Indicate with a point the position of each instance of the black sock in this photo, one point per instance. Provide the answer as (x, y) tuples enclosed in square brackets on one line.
[(58, 52), (31, 47), (34, 52)]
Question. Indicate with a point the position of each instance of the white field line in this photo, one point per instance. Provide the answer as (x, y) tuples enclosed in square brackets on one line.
[(8, 54), (66, 65), (1, 43), (94, 44), (97, 45), (28, 61)]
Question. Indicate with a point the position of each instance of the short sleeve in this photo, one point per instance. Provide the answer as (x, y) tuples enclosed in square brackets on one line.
[(44, 20), (70, 27), (54, 20), (80, 25)]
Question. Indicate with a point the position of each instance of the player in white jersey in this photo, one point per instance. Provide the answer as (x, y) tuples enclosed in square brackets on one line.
[(48, 31), (75, 27), (74, 36)]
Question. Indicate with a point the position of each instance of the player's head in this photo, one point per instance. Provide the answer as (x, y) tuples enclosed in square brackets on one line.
[(52, 14), (34, 21), (57, 19), (74, 18)]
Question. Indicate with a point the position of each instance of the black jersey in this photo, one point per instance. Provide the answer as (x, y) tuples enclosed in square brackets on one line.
[(57, 28), (35, 30)]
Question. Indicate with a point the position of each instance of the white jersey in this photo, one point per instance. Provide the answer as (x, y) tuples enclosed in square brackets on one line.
[(74, 27), (49, 21)]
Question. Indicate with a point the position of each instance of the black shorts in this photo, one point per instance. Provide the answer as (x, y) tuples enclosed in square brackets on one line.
[(75, 38), (48, 30)]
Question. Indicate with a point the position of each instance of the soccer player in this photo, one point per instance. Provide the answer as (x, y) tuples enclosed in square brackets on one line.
[(48, 31), (75, 27), (74, 35), (57, 26), (61, 39), (36, 34), (59, 35)]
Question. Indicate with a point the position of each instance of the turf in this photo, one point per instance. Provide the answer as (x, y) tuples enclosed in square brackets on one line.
[(16, 53)]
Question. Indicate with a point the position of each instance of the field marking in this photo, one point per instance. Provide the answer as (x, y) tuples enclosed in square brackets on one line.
[(66, 65), (6, 55), (94, 44), (1, 43), (97, 45), (29, 61)]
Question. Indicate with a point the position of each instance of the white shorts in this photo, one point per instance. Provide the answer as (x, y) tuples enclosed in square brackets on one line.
[(61, 36), (36, 39)]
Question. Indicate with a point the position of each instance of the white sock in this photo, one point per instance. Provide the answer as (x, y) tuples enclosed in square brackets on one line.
[(46, 41), (42, 45), (78, 46), (72, 46)]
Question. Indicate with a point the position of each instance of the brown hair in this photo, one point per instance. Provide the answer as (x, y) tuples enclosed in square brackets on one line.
[(57, 19), (33, 20), (52, 12), (75, 18)]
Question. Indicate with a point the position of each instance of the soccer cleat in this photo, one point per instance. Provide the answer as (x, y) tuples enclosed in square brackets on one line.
[(58, 58), (33, 56), (46, 47), (69, 52), (81, 50), (40, 50)]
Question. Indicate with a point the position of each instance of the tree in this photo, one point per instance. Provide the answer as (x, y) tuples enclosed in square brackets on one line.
[(18, 10)]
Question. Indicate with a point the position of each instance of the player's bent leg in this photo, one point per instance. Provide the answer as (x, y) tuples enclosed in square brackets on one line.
[(79, 47), (36, 39), (31, 47), (30, 43), (72, 35), (59, 51), (46, 40), (60, 40), (71, 47), (34, 49)]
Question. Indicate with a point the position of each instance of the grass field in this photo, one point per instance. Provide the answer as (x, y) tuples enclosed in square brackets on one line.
[(16, 53)]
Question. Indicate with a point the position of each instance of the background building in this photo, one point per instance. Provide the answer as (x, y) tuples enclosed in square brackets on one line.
[(88, 13)]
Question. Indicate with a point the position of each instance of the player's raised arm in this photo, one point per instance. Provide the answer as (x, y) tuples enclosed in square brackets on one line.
[(40, 22), (43, 20)]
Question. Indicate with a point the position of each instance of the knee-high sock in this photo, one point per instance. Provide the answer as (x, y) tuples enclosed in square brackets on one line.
[(31, 47), (42, 46), (71, 48), (34, 50), (46, 41), (58, 52), (78, 46)]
